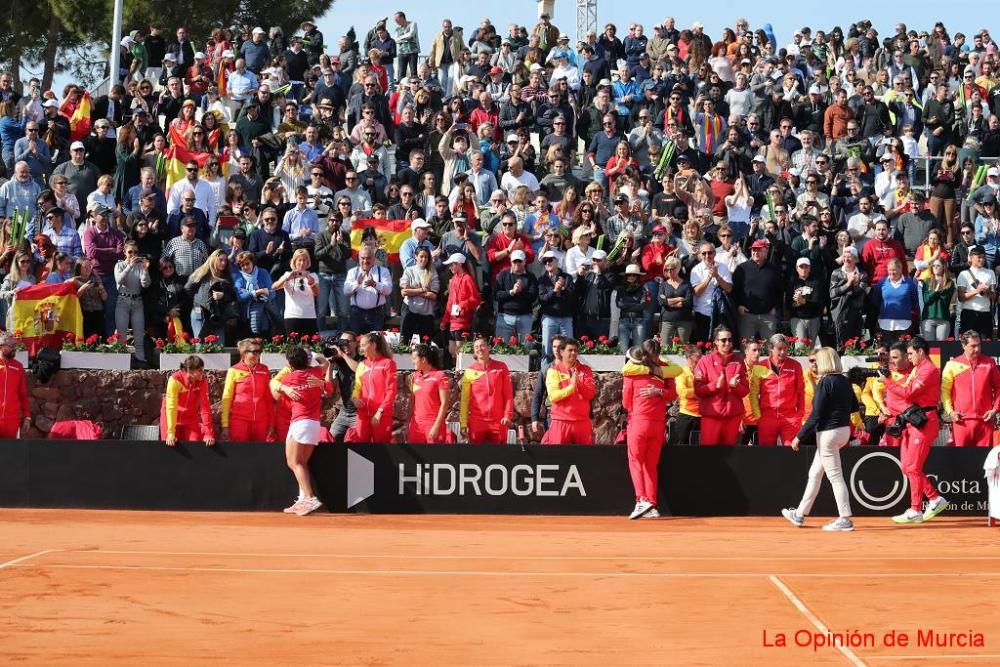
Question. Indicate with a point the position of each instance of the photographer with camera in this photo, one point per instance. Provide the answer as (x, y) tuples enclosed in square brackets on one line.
[(970, 394), (131, 278), (919, 391), (872, 393)]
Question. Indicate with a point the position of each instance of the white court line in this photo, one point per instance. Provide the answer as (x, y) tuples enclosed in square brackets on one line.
[(818, 624), (496, 573), (954, 656), (624, 557), (12, 563)]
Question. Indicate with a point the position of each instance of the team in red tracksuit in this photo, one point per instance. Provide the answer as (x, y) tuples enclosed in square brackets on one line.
[(430, 390), (374, 390), (487, 406), (645, 396), (185, 413), (570, 389), (247, 404), (970, 390), (720, 382), (14, 397), (922, 387), (777, 398)]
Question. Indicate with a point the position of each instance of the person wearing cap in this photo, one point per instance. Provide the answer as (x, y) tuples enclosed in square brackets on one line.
[(987, 192), (256, 52), (632, 300), (805, 304), (463, 300), (516, 293), (849, 285), (502, 244), (15, 412), (559, 295), (420, 230), (758, 288), (977, 293), (80, 173), (104, 245)]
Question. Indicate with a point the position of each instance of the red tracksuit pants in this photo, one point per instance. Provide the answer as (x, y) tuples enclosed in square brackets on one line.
[(914, 449), (772, 425), (417, 434), (564, 432), (972, 433), (246, 430), (645, 440), (9, 428), (184, 432), (487, 434), (365, 431), (720, 430)]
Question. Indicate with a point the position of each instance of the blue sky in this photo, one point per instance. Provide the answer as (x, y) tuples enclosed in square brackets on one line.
[(784, 15)]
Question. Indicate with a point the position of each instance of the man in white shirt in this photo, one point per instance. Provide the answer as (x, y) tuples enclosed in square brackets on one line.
[(885, 184), (368, 287), (861, 225), (203, 193), (517, 176), (977, 289), (705, 277), (361, 201)]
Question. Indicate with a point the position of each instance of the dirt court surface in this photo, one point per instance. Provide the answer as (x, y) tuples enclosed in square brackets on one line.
[(86, 587)]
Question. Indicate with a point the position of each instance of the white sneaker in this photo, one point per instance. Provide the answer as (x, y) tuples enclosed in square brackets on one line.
[(839, 525), (641, 508), (909, 516), (935, 507), (291, 509), (793, 516), (309, 505), (652, 513)]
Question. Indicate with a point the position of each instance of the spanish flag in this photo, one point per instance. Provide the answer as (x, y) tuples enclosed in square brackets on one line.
[(178, 155), (79, 118), (45, 313), (391, 235)]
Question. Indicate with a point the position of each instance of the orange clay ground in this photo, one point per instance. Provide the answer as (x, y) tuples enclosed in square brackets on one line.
[(90, 587)]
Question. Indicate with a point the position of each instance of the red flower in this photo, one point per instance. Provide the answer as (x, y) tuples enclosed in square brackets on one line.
[(512, 340), (603, 339), (497, 340), (465, 334), (69, 337), (950, 338), (277, 339), (294, 334), (394, 330), (426, 338), (584, 338), (186, 336), (316, 338), (676, 339), (793, 340), (18, 333), (863, 345), (160, 344), (589, 344), (195, 340), (93, 339), (806, 341), (211, 339), (529, 338)]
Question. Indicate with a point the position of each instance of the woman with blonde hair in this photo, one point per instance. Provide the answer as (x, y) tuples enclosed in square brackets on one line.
[(214, 297), (834, 402), (301, 289), (937, 293), (103, 194)]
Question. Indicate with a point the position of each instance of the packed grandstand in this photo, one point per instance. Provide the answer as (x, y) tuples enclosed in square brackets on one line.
[(839, 190)]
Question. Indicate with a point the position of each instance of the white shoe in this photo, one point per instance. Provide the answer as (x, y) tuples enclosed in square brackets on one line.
[(309, 505), (641, 508), (909, 516), (652, 513), (935, 507), (793, 517), (839, 525), (293, 508)]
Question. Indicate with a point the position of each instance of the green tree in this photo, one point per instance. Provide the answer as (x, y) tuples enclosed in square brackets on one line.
[(32, 34)]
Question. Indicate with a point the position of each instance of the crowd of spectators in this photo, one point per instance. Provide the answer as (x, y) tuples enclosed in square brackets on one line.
[(627, 185)]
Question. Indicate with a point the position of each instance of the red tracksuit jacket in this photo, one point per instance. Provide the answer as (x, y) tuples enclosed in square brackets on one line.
[(726, 401)]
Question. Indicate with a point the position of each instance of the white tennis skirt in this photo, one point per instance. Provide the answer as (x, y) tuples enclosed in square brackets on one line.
[(305, 431)]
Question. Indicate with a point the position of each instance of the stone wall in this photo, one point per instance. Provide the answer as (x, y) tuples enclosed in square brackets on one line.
[(115, 399)]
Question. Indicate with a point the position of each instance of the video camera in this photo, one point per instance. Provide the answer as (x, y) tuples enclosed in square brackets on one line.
[(858, 375)]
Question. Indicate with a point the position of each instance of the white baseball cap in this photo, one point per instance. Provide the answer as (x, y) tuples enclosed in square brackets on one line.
[(260, 30), (550, 254), (51, 104), (803, 261), (993, 171), (599, 255), (77, 145), (517, 255), (199, 56), (419, 223), (228, 53), (455, 258)]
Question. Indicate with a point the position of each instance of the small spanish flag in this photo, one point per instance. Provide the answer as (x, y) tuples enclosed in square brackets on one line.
[(45, 313), (79, 120), (178, 155), (391, 235)]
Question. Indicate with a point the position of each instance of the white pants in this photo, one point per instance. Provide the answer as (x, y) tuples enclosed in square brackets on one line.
[(827, 460)]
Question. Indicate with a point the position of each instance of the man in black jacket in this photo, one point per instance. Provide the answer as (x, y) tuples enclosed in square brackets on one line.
[(516, 292), (757, 294), (333, 250), (596, 286), (559, 295)]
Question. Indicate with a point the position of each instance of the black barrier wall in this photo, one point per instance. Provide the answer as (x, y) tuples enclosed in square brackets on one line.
[(694, 481)]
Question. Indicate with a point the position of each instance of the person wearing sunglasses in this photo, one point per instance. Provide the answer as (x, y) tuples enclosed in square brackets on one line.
[(720, 382), (247, 404)]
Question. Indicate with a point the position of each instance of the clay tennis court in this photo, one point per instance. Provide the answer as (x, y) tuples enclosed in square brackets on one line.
[(99, 587)]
